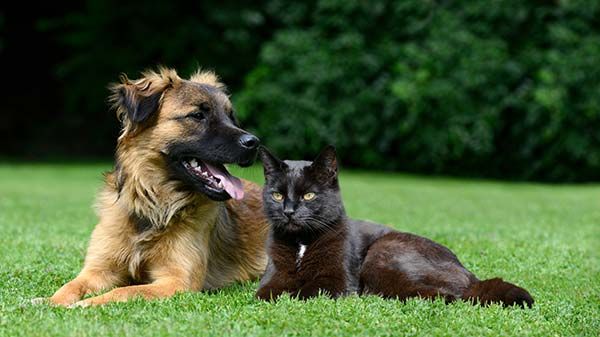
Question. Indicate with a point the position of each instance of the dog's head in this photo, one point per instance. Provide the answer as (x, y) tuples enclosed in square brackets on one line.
[(190, 124)]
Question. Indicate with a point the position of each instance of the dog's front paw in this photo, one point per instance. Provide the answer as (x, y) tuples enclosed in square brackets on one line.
[(80, 304), (39, 301), (55, 302)]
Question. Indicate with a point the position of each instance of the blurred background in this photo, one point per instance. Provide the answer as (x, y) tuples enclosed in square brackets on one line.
[(504, 89)]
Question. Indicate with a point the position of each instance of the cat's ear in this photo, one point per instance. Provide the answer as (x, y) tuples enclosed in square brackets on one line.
[(325, 166), (271, 164)]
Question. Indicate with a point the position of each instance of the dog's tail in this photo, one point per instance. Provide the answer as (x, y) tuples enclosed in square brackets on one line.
[(497, 291)]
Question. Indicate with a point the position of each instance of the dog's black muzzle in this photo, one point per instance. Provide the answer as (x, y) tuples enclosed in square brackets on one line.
[(191, 160), (225, 146)]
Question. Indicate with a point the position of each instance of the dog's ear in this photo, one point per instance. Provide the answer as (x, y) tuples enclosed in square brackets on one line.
[(136, 101), (271, 164), (325, 167)]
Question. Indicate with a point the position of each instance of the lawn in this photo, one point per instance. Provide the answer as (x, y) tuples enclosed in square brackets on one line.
[(544, 238)]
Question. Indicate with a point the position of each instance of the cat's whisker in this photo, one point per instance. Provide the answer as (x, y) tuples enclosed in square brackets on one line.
[(324, 226)]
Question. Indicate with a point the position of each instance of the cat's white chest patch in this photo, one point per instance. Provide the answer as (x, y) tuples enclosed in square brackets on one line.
[(301, 251)]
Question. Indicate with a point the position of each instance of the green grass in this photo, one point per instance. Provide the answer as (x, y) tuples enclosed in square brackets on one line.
[(544, 238)]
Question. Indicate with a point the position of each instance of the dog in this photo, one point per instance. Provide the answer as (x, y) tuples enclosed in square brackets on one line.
[(171, 217)]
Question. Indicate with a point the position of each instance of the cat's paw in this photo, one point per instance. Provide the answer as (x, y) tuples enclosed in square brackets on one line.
[(310, 292), (518, 296), (268, 294)]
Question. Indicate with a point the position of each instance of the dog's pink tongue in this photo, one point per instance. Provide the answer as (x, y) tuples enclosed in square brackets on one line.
[(231, 184)]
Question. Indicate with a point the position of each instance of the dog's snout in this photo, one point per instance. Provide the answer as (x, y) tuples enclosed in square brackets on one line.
[(249, 141)]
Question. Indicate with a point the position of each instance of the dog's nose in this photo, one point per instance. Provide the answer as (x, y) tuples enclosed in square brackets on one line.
[(249, 141)]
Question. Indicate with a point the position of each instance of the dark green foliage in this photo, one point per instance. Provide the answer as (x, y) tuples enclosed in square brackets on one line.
[(87, 44), (506, 88), (503, 89)]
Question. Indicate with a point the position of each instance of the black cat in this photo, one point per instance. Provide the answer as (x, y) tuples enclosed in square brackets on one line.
[(313, 247)]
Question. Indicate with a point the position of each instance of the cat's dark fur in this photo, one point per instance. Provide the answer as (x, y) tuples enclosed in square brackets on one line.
[(343, 256)]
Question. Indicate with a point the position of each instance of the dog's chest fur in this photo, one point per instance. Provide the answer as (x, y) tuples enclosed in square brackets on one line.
[(149, 243), (201, 239)]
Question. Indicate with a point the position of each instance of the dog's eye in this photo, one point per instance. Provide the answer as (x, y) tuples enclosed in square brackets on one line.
[(309, 196), (199, 115), (277, 196)]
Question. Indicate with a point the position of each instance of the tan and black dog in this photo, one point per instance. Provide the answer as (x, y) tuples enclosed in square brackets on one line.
[(171, 218)]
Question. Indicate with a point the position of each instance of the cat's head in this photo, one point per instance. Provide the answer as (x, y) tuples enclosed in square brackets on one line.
[(302, 196)]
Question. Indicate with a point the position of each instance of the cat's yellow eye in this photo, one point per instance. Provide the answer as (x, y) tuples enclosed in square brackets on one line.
[(309, 196), (277, 196)]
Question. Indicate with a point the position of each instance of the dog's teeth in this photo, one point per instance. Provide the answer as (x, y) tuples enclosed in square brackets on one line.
[(194, 163)]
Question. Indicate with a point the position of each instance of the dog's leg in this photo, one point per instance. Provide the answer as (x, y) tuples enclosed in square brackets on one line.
[(88, 281), (181, 266), (168, 280), (101, 270), (158, 289)]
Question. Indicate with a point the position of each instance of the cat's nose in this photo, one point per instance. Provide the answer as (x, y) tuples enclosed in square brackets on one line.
[(288, 208)]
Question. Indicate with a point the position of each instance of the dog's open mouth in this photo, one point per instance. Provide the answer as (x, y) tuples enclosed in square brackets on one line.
[(215, 177)]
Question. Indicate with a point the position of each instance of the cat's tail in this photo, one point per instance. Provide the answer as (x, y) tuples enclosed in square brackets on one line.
[(497, 291)]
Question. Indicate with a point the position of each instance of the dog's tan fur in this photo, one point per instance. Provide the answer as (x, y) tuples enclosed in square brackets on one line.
[(188, 242)]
